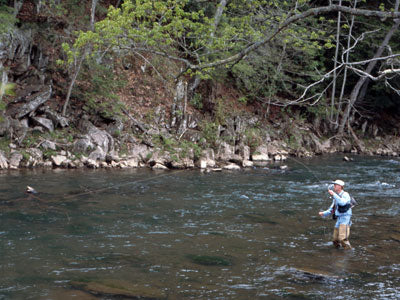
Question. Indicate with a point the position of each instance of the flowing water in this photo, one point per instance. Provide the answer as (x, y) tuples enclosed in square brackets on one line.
[(252, 234)]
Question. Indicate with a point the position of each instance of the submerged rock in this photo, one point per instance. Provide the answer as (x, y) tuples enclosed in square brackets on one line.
[(315, 275), (119, 289), (207, 260)]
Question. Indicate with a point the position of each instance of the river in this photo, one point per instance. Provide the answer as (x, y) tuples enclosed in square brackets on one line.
[(250, 234)]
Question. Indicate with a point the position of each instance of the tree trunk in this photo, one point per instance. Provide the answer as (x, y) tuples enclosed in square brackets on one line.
[(92, 14), (71, 85), (349, 37), (80, 60), (335, 63), (217, 19), (356, 90)]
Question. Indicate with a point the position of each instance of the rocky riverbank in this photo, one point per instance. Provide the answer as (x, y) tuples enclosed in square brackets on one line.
[(88, 146)]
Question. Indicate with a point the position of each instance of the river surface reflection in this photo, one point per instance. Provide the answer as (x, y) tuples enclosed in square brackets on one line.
[(252, 234)]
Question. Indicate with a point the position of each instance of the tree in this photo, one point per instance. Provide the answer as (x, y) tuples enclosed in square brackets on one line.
[(76, 58), (371, 65), (201, 41)]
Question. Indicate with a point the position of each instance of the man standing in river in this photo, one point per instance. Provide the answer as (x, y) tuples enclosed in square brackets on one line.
[(341, 208)]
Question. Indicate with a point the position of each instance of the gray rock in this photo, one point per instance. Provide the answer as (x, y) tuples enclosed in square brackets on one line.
[(4, 126), (247, 164), (90, 163), (207, 159), (159, 166), (116, 128), (141, 151), (15, 160), (244, 151), (48, 145), (34, 101), (260, 154), (97, 154), (46, 123), (225, 152), (57, 119), (97, 136), (231, 167), (35, 153), (83, 144), (58, 160), (3, 161)]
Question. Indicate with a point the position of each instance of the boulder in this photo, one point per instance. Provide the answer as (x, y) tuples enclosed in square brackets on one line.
[(90, 163), (141, 151), (247, 164), (260, 154), (118, 289), (3, 161), (280, 157), (57, 119), (34, 101), (58, 160), (97, 136), (15, 160), (231, 167), (207, 159), (225, 152), (159, 166), (98, 154), (244, 152), (202, 163), (115, 128), (45, 123), (132, 162), (83, 144), (184, 163), (36, 157), (47, 164), (48, 145), (4, 125)]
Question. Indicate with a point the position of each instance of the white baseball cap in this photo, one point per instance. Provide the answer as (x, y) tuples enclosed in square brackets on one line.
[(338, 182)]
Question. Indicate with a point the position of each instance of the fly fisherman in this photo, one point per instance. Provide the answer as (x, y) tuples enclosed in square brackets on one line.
[(341, 210)]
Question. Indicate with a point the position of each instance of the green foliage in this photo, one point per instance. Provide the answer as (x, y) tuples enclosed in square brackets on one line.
[(5, 90), (31, 140), (253, 137), (197, 101), (100, 96), (25, 155), (210, 132), (48, 153), (221, 112), (4, 144), (243, 100), (7, 18)]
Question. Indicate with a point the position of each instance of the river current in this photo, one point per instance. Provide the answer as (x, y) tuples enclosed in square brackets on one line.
[(250, 234)]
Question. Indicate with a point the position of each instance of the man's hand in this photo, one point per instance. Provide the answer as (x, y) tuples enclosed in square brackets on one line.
[(330, 192), (321, 213)]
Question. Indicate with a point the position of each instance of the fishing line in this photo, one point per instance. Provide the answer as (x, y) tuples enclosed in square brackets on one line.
[(305, 166), (118, 185)]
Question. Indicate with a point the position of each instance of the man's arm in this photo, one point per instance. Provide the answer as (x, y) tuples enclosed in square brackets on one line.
[(328, 211), (342, 200)]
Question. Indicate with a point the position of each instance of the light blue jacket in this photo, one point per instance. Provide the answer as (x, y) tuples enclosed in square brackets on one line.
[(340, 199)]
